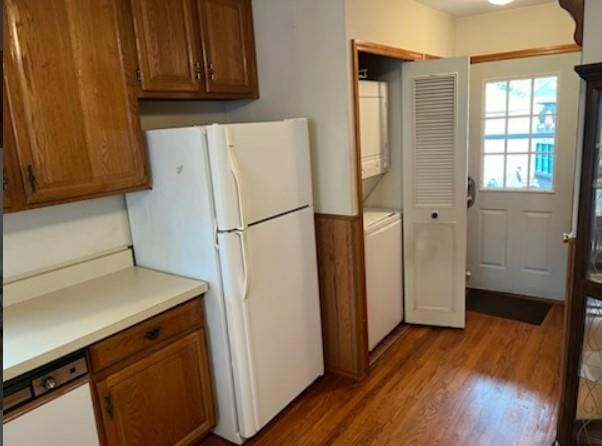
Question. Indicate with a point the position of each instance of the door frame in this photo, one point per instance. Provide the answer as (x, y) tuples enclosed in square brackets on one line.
[(359, 47), (357, 260)]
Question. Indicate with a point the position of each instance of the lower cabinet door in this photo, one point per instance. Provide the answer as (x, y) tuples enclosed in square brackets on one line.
[(163, 399)]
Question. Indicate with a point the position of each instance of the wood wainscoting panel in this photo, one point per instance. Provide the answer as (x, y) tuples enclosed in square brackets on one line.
[(343, 294)]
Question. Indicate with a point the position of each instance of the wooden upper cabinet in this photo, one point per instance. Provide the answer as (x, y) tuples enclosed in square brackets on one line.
[(11, 177), (228, 46), (163, 399), (169, 54), (73, 99)]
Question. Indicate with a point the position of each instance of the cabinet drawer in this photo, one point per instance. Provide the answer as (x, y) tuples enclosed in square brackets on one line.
[(146, 334)]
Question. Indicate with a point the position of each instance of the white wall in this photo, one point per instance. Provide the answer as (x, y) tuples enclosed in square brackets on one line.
[(514, 29), (162, 114), (592, 32), (42, 238), (305, 71), (404, 24)]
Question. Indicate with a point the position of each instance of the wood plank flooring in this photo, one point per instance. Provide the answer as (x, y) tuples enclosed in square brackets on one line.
[(494, 383)]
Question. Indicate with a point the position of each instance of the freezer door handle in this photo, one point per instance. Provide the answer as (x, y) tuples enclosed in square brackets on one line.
[(235, 170), (242, 237)]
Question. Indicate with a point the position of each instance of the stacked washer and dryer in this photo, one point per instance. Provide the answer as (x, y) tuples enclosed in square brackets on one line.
[(382, 227)]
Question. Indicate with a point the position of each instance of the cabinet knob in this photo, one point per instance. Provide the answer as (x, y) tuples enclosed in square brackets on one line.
[(153, 333)]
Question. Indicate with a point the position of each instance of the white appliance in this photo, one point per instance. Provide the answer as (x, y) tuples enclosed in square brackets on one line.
[(384, 272), (232, 205), (51, 405), (374, 136)]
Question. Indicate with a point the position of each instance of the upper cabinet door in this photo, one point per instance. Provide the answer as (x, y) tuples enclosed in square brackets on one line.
[(73, 100), (228, 46), (11, 177), (167, 44)]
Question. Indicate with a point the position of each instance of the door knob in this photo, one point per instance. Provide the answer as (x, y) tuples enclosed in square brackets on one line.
[(435, 215)]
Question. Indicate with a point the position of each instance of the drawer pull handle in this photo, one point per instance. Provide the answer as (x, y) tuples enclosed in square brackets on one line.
[(152, 334)]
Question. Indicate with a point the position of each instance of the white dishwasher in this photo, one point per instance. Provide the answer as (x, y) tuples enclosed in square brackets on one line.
[(50, 406), (384, 272)]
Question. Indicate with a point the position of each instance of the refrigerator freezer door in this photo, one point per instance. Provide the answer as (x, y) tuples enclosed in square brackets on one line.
[(259, 170), (275, 330)]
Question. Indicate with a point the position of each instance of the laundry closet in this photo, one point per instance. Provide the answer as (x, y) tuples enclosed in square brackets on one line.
[(379, 107)]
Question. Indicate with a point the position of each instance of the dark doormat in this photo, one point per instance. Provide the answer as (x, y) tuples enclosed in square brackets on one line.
[(507, 306)]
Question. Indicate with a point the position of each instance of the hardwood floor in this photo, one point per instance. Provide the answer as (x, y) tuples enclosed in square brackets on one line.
[(494, 383)]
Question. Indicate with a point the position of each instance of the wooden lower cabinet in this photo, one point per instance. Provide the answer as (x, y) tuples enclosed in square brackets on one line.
[(161, 399)]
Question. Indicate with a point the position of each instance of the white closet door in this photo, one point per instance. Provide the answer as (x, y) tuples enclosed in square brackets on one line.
[(435, 145)]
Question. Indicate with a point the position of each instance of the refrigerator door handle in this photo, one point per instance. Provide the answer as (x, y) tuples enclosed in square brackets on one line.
[(242, 236), (235, 170)]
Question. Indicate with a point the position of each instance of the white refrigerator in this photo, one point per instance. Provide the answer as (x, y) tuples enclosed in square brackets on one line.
[(232, 205)]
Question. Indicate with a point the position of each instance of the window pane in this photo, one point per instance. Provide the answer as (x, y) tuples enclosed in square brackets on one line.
[(516, 171), (495, 99), (544, 125), (494, 145), (495, 127), (519, 126), (493, 172), (519, 97), (545, 91), (540, 145), (542, 171), (518, 145)]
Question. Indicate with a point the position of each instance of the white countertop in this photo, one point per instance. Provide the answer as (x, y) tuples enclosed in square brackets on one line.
[(48, 327)]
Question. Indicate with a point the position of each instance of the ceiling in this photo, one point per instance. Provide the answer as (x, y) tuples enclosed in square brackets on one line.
[(469, 7)]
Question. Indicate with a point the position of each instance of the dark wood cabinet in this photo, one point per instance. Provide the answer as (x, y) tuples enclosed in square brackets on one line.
[(11, 178), (580, 411), (228, 46), (168, 50), (152, 381), (160, 399), (72, 97), (195, 49)]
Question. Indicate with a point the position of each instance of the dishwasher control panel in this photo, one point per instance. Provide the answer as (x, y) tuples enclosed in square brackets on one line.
[(43, 380)]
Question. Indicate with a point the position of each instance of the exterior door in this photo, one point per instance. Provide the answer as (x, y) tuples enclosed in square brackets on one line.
[(228, 46), (168, 46), (435, 119), (522, 145)]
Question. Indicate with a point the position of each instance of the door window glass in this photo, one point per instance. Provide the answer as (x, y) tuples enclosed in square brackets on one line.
[(519, 138)]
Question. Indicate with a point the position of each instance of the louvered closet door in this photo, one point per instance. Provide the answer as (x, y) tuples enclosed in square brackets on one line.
[(435, 145)]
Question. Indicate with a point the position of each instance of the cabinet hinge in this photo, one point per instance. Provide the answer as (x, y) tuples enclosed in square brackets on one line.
[(138, 74), (109, 406), (31, 178)]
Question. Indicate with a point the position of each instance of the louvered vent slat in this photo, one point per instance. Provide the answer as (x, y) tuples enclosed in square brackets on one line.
[(434, 120)]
